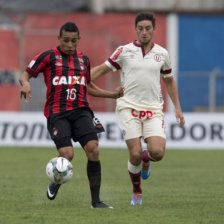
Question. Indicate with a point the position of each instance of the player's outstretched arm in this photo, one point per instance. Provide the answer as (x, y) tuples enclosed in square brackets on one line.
[(25, 90), (173, 93), (94, 90), (98, 71)]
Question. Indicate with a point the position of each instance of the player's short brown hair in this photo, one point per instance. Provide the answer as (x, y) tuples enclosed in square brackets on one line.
[(145, 15)]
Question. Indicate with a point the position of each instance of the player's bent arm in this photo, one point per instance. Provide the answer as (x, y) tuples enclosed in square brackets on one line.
[(98, 71), (25, 90), (173, 93), (94, 90)]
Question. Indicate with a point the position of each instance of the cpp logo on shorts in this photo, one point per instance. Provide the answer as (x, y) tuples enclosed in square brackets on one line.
[(142, 113)]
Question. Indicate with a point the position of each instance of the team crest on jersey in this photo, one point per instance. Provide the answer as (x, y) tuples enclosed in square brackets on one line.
[(157, 57), (67, 80), (59, 57)]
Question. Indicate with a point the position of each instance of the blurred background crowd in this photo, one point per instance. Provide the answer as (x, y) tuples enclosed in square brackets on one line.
[(192, 31)]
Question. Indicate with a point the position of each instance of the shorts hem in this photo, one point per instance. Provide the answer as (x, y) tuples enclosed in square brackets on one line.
[(132, 137), (155, 135)]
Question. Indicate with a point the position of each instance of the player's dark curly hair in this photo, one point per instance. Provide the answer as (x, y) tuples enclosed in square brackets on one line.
[(145, 15), (69, 27)]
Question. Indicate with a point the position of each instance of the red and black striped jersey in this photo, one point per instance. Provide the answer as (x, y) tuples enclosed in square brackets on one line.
[(66, 78)]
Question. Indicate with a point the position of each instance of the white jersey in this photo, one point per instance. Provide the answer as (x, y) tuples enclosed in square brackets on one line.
[(140, 75)]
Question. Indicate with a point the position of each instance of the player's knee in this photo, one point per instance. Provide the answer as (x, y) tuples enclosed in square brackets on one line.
[(156, 153), (136, 157), (92, 150), (67, 153)]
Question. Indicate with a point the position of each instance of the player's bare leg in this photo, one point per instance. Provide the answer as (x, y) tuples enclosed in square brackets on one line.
[(155, 152), (134, 168), (156, 147), (94, 173), (68, 153)]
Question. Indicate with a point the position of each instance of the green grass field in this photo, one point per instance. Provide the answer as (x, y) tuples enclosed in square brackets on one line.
[(186, 187)]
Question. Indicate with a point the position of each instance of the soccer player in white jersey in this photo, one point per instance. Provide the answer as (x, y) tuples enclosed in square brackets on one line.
[(139, 112)]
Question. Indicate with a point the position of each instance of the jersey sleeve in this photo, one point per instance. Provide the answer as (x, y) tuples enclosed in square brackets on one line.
[(114, 62), (166, 70), (38, 63)]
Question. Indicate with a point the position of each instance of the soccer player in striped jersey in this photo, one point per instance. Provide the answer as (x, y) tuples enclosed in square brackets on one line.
[(67, 77), (139, 111)]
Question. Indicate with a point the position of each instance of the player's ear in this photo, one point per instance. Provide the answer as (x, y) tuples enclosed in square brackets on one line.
[(58, 37)]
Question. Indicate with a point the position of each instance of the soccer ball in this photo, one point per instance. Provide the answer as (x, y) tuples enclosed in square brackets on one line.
[(59, 170)]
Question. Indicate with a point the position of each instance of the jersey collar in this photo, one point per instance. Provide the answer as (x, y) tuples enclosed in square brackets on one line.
[(143, 50)]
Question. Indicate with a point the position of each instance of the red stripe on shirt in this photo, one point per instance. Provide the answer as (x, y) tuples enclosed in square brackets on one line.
[(115, 64)]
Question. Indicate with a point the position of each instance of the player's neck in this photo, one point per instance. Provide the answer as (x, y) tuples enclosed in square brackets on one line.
[(147, 47)]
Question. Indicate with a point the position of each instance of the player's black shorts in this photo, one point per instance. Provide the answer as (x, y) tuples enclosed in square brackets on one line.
[(79, 125)]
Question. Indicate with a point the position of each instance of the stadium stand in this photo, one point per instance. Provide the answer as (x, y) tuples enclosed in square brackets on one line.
[(24, 23)]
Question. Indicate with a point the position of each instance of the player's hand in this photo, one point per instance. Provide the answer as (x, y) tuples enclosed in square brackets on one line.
[(119, 92), (180, 118), (25, 91)]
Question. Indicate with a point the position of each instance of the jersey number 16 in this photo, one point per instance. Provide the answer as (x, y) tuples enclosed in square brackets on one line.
[(71, 94)]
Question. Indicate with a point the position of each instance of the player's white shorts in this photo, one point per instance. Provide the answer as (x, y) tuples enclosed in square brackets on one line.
[(134, 124)]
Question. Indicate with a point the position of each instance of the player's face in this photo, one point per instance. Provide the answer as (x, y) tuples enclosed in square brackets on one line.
[(68, 41), (145, 31)]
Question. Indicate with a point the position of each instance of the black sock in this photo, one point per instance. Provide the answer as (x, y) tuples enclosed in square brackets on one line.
[(94, 176)]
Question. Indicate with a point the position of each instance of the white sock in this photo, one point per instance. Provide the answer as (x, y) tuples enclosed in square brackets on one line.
[(134, 169)]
